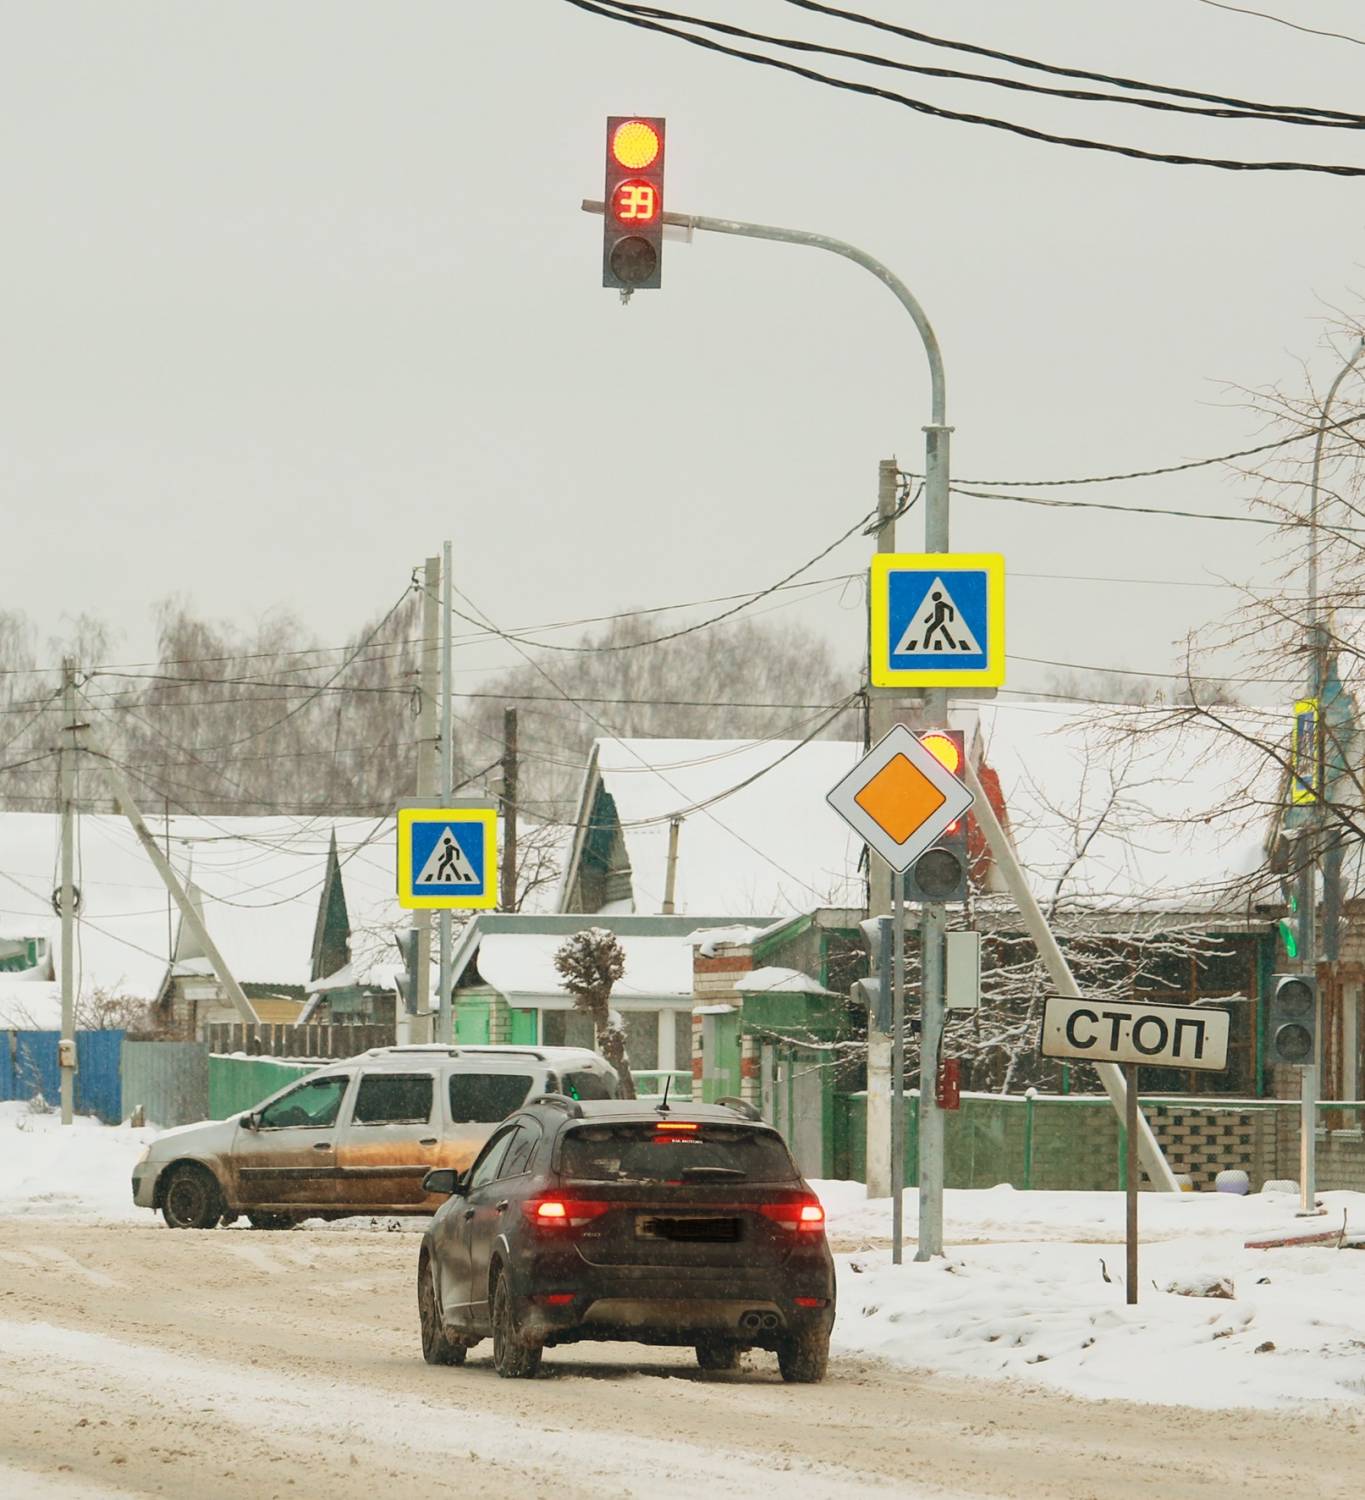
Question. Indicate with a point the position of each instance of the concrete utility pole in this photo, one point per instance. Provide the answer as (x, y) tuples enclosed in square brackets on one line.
[(1318, 651), (70, 745), (445, 1031), (428, 761)]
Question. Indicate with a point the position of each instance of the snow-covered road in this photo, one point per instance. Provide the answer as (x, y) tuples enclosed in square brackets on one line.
[(139, 1361)]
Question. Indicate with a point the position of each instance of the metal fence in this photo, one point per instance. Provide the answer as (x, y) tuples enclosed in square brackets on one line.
[(29, 1068), (168, 1081), (267, 1039)]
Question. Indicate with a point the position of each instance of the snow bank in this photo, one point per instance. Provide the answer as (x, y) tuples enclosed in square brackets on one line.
[(1032, 1288), (81, 1170)]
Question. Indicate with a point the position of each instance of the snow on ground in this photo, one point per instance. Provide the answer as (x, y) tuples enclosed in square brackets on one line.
[(1021, 1294), (84, 1169)]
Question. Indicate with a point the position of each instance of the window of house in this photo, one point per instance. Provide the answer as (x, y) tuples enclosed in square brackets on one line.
[(682, 1039), (566, 1028), (394, 1099), (642, 1039)]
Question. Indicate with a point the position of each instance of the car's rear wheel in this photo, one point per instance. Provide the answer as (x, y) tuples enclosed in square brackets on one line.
[(514, 1356), (717, 1354), (270, 1221), (192, 1199), (803, 1358), (438, 1347)]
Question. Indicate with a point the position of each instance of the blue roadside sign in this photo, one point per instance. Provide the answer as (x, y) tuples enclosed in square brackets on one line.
[(447, 857), (938, 619)]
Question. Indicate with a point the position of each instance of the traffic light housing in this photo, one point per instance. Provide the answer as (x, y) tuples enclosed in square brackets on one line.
[(942, 874), (633, 203), (1291, 1029)]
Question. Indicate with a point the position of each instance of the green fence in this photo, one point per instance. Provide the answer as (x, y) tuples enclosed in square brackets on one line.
[(240, 1083), (1076, 1142)]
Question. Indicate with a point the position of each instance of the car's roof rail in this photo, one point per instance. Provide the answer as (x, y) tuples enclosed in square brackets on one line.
[(483, 1049), (429, 1049), (571, 1107), (740, 1107)]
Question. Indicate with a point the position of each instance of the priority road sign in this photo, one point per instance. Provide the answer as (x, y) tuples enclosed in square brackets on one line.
[(448, 857), (1157, 1036), (938, 619), (900, 798)]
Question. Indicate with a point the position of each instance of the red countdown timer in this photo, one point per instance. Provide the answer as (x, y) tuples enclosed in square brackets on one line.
[(635, 202)]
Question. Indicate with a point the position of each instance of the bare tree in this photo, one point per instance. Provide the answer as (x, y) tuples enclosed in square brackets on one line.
[(590, 963)]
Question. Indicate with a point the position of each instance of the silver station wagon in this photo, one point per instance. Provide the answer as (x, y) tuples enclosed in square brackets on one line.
[(356, 1137)]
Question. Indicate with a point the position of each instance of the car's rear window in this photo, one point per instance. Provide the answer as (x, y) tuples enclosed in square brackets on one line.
[(486, 1098), (643, 1152)]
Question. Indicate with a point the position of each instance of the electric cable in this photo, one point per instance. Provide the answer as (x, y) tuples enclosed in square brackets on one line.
[(921, 106), (1264, 15), (1288, 522)]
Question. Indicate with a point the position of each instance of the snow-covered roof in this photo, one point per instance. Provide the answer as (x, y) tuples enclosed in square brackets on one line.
[(777, 980), (757, 833), (520, 966), (258, 880)]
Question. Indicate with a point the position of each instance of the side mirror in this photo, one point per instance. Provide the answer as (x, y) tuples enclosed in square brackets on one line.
[(444, 1180), (249, 1121)]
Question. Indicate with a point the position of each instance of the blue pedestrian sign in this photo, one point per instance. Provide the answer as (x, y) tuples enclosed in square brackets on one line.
[(938, 619), (448, 857)]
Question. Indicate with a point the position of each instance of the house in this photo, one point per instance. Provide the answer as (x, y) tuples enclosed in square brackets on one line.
[(1146, 842)]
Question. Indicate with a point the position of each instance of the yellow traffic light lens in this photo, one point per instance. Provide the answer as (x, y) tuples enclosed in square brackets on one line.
[(944, 750), (635, 145)]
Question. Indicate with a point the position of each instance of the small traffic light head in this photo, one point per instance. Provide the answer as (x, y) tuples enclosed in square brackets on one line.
[(633, 213), (945, 745), (1292, 1022), (938, 875)]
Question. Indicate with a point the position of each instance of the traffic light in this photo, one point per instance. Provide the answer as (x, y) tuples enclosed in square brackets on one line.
[(633, 203), (940, 874), (1291, 1029), (406, 943)]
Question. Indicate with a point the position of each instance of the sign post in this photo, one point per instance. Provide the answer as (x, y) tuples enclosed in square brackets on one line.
[(1121, 1031), (900, 799)]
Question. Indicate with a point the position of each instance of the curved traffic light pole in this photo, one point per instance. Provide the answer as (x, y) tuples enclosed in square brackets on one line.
[(936, 436)]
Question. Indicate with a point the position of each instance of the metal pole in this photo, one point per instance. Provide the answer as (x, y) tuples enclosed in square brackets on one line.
[(445, 1031), (933, 924), (1150, 1154), (669, 902), (1308, 896), (898, 1071), (1132, 1173), (428, 760), (67, 762)]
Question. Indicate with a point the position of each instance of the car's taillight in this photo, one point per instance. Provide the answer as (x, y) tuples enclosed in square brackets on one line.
[(804, 1216), (562, 1213)]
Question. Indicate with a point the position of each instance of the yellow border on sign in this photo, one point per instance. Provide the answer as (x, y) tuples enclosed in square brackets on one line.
[(1300, 793), (882, 672), (480, 901)]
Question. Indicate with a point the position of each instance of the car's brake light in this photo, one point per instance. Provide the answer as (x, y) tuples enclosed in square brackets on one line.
[(804, 1215), (562, 1213), (675, 1126)]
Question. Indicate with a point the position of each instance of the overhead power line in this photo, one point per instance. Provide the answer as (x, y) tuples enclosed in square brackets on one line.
[(1194, 463), (1289, 116), (921, 106), (1063, 72), (1264, 15)]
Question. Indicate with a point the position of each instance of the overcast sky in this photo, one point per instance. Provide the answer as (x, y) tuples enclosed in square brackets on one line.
[(294, 290)]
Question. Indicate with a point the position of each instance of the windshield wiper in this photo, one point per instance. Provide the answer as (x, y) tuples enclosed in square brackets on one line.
[(730, 1174)]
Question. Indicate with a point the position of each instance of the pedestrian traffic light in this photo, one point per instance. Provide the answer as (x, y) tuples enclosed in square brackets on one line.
[(940, 874), (406, 943), (633, 203), (1292, 1023)]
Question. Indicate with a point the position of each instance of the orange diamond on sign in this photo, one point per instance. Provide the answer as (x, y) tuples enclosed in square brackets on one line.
[(900, 798)]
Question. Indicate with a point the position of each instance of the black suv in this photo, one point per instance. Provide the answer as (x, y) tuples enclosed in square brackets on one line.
[(609, 1219)]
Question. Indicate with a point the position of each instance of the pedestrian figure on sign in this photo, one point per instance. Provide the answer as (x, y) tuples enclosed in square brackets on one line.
[(445, 866), (938, 621)]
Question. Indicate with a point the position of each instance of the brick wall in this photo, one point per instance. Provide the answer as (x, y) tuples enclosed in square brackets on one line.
[(1204, 1142)]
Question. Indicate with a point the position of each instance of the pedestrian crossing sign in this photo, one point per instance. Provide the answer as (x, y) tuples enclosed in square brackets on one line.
[(938, 619), (448, 857)]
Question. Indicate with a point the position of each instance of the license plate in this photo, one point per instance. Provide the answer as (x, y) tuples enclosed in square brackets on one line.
[(696, 1228)]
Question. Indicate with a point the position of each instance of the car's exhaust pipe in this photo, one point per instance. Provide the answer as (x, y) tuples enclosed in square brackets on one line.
[(751, 1322), (769, 1322)]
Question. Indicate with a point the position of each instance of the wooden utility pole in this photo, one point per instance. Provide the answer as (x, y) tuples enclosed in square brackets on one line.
[(507, 898)]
